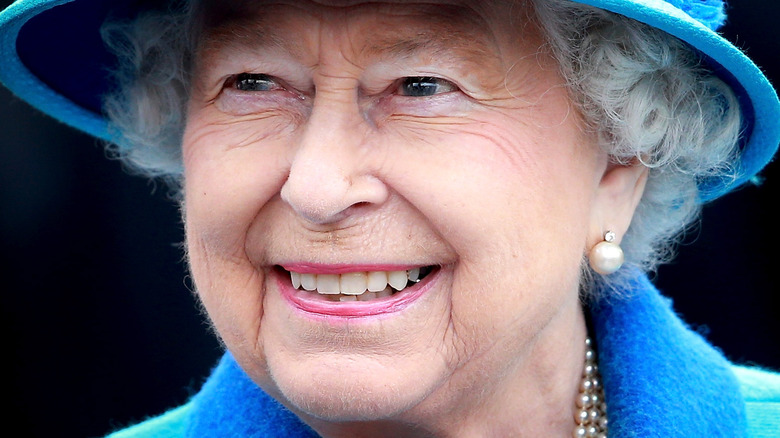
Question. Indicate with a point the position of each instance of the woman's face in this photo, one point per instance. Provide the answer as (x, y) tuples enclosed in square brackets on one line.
[(344, 143)]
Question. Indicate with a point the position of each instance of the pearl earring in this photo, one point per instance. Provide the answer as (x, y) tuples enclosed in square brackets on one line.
[(607, 256)]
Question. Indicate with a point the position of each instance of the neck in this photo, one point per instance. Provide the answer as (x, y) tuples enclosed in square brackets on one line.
[(532, 396)]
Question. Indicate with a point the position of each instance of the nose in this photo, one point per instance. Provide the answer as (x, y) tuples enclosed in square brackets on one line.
[(331, 171)]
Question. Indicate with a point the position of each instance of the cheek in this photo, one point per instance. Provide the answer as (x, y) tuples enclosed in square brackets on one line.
[(501, 177), (225, 188), (492, 188), (229, 176)]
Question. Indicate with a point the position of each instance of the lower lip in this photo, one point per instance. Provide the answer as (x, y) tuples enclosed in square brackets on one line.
[(310, 304)]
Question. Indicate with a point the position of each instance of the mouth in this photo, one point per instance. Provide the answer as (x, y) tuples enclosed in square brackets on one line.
[(369, 285)]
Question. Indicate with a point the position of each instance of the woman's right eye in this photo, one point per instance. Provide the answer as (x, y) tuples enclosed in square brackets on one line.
[(254, 93), (255, 82)]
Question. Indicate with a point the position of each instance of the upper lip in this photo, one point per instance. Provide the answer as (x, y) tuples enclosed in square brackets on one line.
[(343, 268)]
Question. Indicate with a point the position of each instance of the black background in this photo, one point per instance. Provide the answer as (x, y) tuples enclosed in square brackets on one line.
[(102, 330)]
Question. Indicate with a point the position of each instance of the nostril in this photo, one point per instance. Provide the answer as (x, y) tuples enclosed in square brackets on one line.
[(328, 199), (361, 206)]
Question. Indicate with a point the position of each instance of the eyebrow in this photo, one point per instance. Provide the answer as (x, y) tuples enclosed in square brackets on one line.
[(251, 35), (442, 43)]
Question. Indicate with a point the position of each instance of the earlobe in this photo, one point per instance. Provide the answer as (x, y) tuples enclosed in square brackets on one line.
[(618, 193)]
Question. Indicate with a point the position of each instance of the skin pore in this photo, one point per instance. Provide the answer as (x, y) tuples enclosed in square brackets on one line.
[(339, 137)]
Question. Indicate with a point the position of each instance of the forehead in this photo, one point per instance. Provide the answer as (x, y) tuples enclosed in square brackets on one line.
[(397, 27)]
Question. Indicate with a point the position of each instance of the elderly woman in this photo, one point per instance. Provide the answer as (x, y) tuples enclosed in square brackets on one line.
[(427, 219)]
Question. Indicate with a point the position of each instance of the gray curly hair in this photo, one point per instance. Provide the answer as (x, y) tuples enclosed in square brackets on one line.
[(646, 95)]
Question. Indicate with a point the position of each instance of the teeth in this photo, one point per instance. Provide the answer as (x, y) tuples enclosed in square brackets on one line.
[(397, 279), (377, 281), (309, 281), (353, 283), (328, 284), (354, 286), (296, 279)]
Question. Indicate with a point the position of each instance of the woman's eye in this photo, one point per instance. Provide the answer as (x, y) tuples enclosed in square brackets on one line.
[(424, 86), (254, 82)]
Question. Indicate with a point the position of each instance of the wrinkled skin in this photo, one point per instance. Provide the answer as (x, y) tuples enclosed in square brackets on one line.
[(336, 161)]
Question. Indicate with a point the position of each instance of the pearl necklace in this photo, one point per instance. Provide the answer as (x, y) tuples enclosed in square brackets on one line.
[(590, 411)]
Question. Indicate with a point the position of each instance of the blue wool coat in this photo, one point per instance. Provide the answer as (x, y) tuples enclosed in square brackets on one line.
[(661, 379)]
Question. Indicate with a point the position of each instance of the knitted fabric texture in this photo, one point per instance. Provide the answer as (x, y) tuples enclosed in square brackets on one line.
[(661, 378)]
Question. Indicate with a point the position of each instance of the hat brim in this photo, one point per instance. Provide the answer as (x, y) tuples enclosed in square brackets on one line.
[(55, 60), (758, 98)]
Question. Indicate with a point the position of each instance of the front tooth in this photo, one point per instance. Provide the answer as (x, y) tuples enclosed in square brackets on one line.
[(376, 281), (353, 283), (309, 281), (328, 284), (296, 279), (397, 279)]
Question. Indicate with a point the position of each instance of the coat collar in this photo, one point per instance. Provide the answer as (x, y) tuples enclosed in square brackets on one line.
[(661, 379)]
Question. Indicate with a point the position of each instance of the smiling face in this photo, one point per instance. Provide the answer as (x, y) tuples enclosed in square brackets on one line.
[(334, 149)]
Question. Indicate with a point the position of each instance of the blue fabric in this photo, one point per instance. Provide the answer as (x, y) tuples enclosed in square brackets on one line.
[(53, 58), (16, 75), (231, 405), (660, 378), (761, 390)]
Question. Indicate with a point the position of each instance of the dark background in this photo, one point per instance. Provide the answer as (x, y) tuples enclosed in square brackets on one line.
[(102, 330)]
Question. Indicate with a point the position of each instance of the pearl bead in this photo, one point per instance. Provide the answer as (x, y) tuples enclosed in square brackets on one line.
[(590, 414), (581, 416), (583, 401), (606, 257), (586, 385)]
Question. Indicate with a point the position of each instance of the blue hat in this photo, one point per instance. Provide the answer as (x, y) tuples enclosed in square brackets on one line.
[(53, 57)]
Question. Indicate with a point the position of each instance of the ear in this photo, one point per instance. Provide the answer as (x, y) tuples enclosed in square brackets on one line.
[(619, 191)]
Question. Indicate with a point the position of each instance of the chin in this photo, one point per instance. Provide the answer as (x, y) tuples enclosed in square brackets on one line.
[(349, 404), (354, 391)]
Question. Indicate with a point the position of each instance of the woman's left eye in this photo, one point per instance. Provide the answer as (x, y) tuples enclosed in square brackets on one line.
[(254, 82), (424, 86)]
